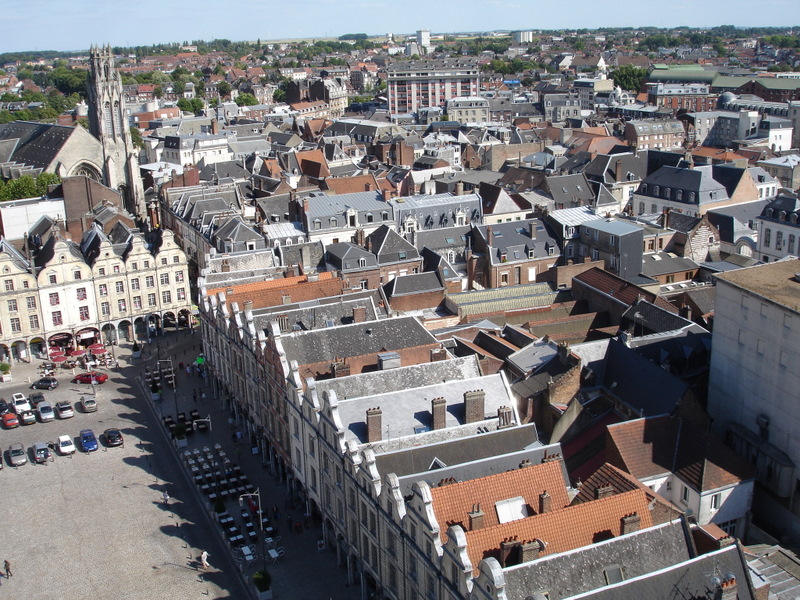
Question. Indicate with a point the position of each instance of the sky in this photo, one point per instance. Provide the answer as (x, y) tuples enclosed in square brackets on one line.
[(77, 24)]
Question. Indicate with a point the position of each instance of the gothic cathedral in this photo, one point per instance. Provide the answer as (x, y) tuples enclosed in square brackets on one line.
[(108, 122)]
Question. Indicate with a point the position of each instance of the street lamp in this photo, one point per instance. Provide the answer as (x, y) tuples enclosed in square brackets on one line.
[(257, 494)]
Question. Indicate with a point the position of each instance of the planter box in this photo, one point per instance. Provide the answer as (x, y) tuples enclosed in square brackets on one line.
[(6, 378), (156, 396), (264, 595), (181, 443), (137, 354)]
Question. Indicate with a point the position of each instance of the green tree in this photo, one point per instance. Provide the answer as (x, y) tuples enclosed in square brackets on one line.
[(246, 100), (185, 104), (44, 181), (136, 137), (629, 77), (224, 89)]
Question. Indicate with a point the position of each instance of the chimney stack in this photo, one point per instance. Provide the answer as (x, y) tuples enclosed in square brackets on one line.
[(374, 424), (530, 550), (359, 314), (618, 170), (473, 406), (439, 412), (726, 589), (386, 195), (631, 523), (507, 548), (459, 188), (476, 517), (545, 502), (438, 354), (504, 417), (604, 491)]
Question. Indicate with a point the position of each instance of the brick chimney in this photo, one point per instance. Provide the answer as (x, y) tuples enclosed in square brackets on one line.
[(386, 195), (507, 548), (438, 354), (473, 406), (490, 236), (530, 550), (367, 187), (545, 502), (476, 517), (726, 589), (631, 523), (604, 491), (618, 171), (504, 416), (439, 412), (359, 314), (374, 424), (459, 188), (340, 369)]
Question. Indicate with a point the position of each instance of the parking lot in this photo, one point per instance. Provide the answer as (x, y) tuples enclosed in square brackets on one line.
[(94, 524)]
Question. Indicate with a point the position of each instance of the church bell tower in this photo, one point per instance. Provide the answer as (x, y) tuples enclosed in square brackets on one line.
[(109, 124)]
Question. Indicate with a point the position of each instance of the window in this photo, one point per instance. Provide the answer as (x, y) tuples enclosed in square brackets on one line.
[(166, 296), (81, 294), (121, 305), (778, 240), (57, 320), (9, 283), (176, 259), (767, 237), (684, 494), (178, 276), (83, 312), (150, 281), (12, 306), (164, 279), (115, 269), (670, 278), (134, 266), (151, 299), (135, 284), (181, 293), (76, 275), (52, 279), (101, 271), (612, 240), (105, 309), (147, 264), (31, 302), (103, 289), (120, 286), (16, 327), (137, 302), (34, 322), (613, 574), (163, 260), (716, 500), (54, 299), (503, 278)]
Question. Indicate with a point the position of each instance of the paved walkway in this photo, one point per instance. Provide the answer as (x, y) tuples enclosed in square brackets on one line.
[(304, 572)]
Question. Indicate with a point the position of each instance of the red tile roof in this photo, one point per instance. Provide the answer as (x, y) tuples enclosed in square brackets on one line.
[(659, 445), (275, 291), (564, 529), (618, 288), (453, 502)]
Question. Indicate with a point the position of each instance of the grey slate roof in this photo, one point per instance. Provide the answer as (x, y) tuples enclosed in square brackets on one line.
[(514, 241), (353, 340), (637, 554), (531, 357), (347, 256), (689, 579), (438, 210), (698, 180), (417, 460), (406, 413), (390, 247), (661, 263), (318, 314), (468, 467), (415, 283), (38, 143)]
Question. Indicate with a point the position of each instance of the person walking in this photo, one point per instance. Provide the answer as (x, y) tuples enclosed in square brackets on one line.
[(7, 567), (204, 560), (165, 497)]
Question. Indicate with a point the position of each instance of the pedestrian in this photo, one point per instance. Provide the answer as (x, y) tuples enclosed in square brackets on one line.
[(165, 497), (195, 396), (204, 559), (7, 567), (275, 512), (289, 521)]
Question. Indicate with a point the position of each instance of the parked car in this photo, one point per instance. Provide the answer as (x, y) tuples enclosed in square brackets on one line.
[(27, 417), (35, 398), (20, 403), (89, 404), (88, 377), (5, 407), (65, 445), (16, 455), (46, 413), (10, 420), (88, 441), (113, 437), (45, 383), (64, 410), (41, 452)]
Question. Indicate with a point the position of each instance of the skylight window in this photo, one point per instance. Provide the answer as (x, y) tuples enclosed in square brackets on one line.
[(512, 509)]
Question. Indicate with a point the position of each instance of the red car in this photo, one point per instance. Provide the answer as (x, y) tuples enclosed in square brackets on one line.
[(10, 420), (88, 377)]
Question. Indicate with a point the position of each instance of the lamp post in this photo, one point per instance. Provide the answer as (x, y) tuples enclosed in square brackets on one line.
[(257, 494)]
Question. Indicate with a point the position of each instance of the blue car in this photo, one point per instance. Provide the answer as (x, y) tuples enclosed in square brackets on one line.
[(88, 441)]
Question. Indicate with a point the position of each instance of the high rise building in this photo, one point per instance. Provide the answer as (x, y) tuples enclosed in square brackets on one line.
[(424, 83)]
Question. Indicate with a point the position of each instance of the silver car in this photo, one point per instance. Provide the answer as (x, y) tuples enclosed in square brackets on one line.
[(46, 413), (64, 410), (16, 455)]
